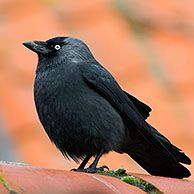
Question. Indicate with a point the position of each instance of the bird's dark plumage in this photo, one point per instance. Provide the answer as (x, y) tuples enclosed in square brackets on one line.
[(86, 113)]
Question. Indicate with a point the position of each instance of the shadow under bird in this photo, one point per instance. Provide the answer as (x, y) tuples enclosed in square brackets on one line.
[(86, 113)]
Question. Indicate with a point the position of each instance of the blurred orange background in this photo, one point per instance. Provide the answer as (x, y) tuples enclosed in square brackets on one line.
[(147, 45)]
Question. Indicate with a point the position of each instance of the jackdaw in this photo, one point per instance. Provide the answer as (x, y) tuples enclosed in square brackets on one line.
[(86, 113)]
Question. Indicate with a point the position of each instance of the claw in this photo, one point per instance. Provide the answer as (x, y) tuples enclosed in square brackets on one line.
[(91, 169), (78, 170), (74, 169), (102, 168)]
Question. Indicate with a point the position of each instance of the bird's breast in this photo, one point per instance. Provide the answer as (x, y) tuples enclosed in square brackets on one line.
[(69, 108)]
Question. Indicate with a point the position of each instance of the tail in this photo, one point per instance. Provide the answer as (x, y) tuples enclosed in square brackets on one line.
[(161, 162)]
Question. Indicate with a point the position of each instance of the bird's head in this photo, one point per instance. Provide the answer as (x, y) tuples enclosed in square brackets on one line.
[(61, 48)]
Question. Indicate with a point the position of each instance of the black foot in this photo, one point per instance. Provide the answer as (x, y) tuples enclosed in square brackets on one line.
[(74, 169), (91, 169)]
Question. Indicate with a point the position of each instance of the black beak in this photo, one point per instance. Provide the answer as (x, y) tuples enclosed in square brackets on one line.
[(37, 46)]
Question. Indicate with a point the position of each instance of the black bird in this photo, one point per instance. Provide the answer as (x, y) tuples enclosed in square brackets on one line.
[(86, 113)]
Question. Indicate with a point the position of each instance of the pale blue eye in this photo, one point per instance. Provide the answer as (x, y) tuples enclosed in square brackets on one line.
[(57, 47)]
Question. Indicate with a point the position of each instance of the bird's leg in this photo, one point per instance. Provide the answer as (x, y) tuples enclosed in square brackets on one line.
[(92, 167), (84, 162)]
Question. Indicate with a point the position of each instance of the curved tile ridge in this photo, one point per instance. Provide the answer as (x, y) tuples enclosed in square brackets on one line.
[(110, 186)]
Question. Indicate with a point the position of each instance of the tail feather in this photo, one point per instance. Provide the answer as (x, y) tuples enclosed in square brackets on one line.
[(160, 164), (157, 161), (176, 152)]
